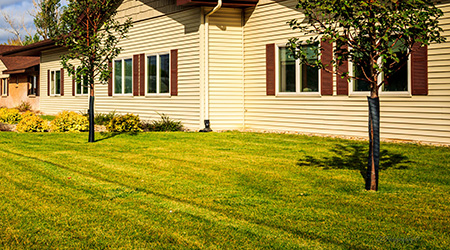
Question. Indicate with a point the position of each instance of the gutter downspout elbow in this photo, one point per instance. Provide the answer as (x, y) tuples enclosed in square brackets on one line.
[(214, 10)]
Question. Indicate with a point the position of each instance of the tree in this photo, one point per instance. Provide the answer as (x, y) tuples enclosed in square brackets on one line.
[(377, 36), (16, 27), (47, 17), (90, 34)]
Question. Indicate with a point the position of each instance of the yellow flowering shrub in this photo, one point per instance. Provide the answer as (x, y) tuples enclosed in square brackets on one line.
[(31, 123), (69, 121), (10, 116), (125, 123)]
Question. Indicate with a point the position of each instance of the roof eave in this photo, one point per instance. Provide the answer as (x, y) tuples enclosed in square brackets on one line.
[(33, 49), (226, 3)]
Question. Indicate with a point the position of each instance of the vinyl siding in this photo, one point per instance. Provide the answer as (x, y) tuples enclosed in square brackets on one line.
[(424, 118), (226, 69), (154, 32), (50, 60)]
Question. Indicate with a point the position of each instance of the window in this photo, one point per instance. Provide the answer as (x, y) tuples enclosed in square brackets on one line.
[(82, 88), (397, 82), (4, 86), (294, 77), (158, 74), (55, 82), (123, 76), (32, 90)]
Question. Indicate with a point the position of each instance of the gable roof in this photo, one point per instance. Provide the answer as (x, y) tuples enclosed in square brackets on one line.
[(17, 64)]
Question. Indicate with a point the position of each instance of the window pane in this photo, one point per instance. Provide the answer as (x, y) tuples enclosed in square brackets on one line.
[(360, 85), (118, 77), (309, 74), (4, 87), (85, 87), (164, 73), (34, 85), (151, 74), (58, 82), (79, 88), (399, 80), (128, 76), (286, 71), (52, 82)]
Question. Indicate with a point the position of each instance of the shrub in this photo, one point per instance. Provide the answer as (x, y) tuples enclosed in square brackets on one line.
[(125, 123), (24, 106), (104, 119), (10, 116), (69, 121), (31, 123), (101, 118), (165, 124)]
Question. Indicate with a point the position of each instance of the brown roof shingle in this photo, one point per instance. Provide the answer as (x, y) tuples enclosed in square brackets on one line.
[(17, 62)]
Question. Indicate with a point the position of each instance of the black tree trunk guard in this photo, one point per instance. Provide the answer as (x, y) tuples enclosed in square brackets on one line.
[(374, 144), (91, 119)]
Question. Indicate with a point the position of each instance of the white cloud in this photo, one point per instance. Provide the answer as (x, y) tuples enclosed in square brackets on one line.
[(5, 3), (18, 10)]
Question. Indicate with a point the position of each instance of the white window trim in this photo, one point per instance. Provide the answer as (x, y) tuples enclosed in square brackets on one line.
[(297, 80), (4, 90), (379, 80), (123, 76), (54, 80), (158, 65)]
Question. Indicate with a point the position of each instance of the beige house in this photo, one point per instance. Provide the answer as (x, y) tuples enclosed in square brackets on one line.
[(227, 66)]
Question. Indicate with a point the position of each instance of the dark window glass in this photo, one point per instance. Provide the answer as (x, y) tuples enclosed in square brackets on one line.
[(309, 74), (118, 77), (128, 76), (151, 74), (164, 73), (287, 73), (399, 80), (58, 82), (361, 85)]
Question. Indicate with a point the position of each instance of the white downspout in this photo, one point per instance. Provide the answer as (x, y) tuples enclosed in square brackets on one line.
[(206, 92)]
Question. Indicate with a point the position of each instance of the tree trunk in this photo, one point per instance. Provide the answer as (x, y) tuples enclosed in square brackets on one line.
[(374, 144), (91, 109), (91, 119)]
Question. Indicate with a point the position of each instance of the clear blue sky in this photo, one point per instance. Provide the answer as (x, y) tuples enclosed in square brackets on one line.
[(18, 9)]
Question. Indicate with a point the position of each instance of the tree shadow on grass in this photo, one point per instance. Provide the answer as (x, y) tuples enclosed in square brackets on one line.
[(108, 135), (354, 157)]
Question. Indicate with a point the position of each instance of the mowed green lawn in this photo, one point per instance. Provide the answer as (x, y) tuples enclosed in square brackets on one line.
[(218, 191)]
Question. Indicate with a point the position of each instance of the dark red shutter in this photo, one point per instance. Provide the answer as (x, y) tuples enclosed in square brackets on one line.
[(174, 72), (142, 74), (110, 79), (135, 75), (419, 70), (326, 77), (270, 69), (62, 82), (342, 83), (48, 82)]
